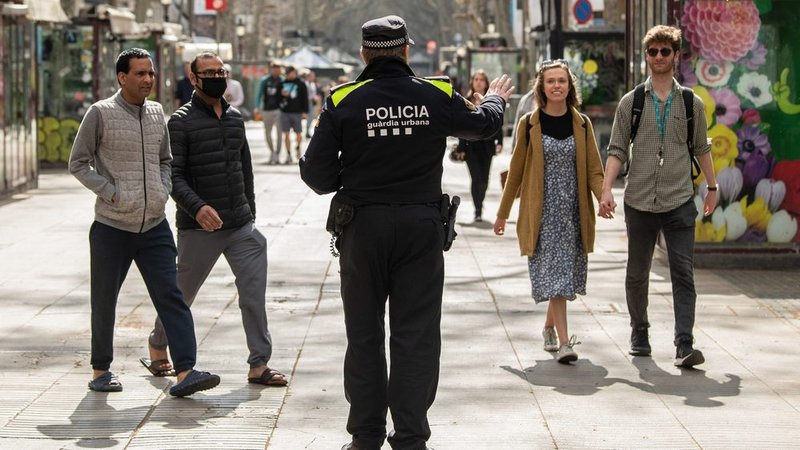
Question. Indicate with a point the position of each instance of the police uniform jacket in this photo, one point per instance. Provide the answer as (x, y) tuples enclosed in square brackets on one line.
[(211, 164), (381, 138)]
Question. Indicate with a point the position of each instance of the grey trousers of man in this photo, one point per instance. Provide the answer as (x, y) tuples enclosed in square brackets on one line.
[(271, 119), (245, 248)]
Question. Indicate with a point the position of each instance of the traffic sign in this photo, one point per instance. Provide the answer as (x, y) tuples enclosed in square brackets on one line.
[(430, 47), (582, 10), (217, 5)]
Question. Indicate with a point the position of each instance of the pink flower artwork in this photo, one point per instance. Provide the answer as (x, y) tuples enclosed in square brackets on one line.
[(688, 78), (729, 107), (721, 31), (756, 57)]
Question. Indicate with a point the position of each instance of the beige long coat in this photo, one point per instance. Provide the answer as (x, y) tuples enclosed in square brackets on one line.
[(527, 170)]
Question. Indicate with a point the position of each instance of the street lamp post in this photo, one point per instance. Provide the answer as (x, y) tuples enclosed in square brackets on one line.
[(165, 6), (240, 32), (268, 50)]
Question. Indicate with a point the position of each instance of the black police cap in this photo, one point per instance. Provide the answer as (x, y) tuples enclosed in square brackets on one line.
[(385, 32)]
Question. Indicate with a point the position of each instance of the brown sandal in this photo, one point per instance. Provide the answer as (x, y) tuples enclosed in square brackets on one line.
[(269, 377), (155, 367)]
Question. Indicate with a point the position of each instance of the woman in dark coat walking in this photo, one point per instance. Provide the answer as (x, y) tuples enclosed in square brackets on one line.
[(478, 154)]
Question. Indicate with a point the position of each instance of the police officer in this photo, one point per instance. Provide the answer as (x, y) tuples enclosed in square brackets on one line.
[(379, 144)]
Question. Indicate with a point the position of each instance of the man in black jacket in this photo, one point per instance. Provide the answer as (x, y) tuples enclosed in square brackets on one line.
[(268, 99), (294, 108), (379, 145), (212, 184)]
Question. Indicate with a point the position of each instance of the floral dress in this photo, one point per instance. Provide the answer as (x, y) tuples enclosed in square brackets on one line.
[(558, 265)]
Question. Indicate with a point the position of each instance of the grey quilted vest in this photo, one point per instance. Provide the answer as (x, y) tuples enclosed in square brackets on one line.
[(129, 152)]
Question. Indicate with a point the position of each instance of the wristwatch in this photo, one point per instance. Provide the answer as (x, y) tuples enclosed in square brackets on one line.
[(712, 188)]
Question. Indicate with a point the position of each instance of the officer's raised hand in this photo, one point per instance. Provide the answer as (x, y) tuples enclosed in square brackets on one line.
[(499, 86)]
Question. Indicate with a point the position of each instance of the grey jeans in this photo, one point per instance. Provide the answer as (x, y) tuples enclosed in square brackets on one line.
[(272, 119), (245, 248), (678, 228)]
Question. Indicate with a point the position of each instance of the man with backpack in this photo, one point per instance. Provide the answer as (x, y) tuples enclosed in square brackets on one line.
[(665, 132)]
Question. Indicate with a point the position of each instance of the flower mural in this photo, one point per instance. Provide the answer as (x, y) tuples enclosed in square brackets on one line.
[(728, 107), (735, 222), (755, 87), (708, 102), (751, 116), (782, 228), (750, 140), (729, 64), (755, 168), (729, 182), (713, 74), (721, 31), (688, 78), (756, 57), (756, 214), (724, 142), (772, 192)]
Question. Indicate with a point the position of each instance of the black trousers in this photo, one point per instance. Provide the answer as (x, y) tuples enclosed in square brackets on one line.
[(112, 251), (678, 228), (479, 162), (392, 252)]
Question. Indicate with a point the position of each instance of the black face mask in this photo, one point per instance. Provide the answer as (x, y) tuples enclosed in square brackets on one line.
[(214, 87)]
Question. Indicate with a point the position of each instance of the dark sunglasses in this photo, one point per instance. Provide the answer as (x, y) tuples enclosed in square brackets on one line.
[(665, 51)]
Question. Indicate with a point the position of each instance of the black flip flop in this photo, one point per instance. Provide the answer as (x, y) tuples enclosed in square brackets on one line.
[(107, 382), (195, 381)]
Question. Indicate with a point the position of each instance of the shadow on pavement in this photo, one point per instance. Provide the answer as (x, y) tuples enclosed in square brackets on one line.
[(587, 378), (482, 225), (94, 423), (692, 384)]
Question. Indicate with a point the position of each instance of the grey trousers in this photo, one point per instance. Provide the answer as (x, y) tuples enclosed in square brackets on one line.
[(272, 119), (245, 248)]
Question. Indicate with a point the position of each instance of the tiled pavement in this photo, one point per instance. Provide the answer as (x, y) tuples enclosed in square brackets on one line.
[(498, 389)]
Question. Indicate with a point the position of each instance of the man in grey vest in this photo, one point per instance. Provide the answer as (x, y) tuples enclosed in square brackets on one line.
[(122, 154)]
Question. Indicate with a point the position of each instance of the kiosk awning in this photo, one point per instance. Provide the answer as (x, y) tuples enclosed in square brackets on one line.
[(46, 11)]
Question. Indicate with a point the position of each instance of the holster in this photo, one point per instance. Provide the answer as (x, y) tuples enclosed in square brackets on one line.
[(339, 215), (448, 211)]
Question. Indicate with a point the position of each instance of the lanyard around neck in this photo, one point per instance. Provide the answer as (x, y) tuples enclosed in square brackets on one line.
[(661, 121)]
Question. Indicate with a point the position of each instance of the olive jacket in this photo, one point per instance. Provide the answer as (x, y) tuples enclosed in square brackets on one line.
[(527, 171)]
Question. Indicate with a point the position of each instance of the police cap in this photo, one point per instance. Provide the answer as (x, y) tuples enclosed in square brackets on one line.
[(385, 32)]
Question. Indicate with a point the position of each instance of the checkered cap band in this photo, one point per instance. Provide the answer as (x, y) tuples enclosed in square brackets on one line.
[(384, 44)]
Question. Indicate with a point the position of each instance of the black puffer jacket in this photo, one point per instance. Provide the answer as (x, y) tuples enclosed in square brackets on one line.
[(211, 164)]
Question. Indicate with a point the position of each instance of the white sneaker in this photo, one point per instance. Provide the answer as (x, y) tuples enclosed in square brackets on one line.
[(550, 339), (566, 354)]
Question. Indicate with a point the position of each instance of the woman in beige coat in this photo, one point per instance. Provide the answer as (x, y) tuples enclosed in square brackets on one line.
[(557, 165)]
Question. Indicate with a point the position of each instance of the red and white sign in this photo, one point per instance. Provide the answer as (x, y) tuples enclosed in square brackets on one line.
[(217, 5), (430, 47)]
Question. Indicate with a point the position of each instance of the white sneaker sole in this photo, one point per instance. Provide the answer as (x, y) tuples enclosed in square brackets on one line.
[(568, 358)]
